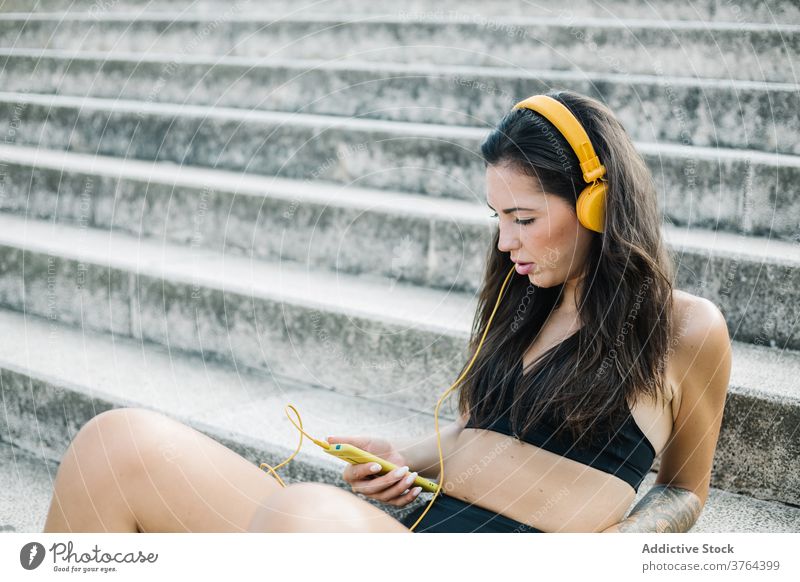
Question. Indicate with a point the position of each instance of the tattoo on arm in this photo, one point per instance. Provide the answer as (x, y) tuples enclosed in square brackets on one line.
[(663, 509)]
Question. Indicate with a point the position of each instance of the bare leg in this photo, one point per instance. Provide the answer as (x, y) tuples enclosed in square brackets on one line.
[(319, 507), (132, 469)]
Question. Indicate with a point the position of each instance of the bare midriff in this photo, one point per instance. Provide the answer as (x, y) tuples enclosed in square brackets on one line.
[(532, 485)]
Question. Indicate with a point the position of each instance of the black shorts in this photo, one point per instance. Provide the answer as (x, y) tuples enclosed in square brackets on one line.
[(451, 515)]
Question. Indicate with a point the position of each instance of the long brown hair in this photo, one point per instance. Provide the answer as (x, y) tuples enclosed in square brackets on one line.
[(625, 305)]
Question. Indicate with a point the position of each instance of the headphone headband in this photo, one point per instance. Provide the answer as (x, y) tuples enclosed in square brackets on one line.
[(569, 126)]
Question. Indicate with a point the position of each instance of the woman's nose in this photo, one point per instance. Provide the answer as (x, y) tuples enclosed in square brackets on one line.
[(508, 240)]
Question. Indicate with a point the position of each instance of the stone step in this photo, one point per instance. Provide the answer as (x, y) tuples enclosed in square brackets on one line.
[(404, 238), (728, 50), (705, 112), (254, 314), (398, 235), (27, 485), (360, 336), (731, 512), (83, 373), (771, 11), (739, 190)]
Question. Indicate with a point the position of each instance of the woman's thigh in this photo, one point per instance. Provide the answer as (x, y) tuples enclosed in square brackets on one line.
[(132, 463), (319, 507)]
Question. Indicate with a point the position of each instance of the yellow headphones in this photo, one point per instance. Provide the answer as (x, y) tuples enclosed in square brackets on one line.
[(591, 204)]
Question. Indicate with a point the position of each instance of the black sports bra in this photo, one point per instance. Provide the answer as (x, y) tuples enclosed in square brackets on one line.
[(629, 455)]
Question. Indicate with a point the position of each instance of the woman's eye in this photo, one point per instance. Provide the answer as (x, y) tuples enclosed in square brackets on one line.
[(520, 221)]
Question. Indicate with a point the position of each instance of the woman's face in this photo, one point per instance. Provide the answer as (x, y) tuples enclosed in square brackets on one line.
[(555, 241)]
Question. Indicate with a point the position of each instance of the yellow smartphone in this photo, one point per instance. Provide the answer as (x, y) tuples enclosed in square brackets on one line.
[(355, 456)]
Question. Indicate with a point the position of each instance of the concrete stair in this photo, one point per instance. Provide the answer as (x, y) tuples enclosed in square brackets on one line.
[(720, 113), (433, 242), (754, 11), (724, 50), (730, 189), (212, 211)]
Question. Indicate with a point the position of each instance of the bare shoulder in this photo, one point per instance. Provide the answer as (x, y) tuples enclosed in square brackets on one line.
[(696, 322)]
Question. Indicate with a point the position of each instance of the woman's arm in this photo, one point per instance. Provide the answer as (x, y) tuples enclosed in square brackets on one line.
[(663, 509), (674, 503), (422, 454)]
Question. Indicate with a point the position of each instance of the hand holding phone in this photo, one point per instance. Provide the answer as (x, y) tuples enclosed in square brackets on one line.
[(378, 470)]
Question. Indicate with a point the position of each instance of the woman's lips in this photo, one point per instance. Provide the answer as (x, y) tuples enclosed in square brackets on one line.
[(525, 268)]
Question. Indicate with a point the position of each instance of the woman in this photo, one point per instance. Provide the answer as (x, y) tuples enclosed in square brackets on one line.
[(593, 366)]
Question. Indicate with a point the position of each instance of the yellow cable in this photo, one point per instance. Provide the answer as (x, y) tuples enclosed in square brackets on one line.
[(443, 396), (323, 444), (326, 445)]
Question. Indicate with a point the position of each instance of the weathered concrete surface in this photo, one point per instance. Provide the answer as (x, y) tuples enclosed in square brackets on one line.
[(740, 190), (736, 114), (767, 11), (26, 485), (560, 42), (428, 241), (438, 243), (257, 316)]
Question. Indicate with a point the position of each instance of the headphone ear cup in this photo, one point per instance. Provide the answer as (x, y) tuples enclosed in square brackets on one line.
[(591, 206)]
